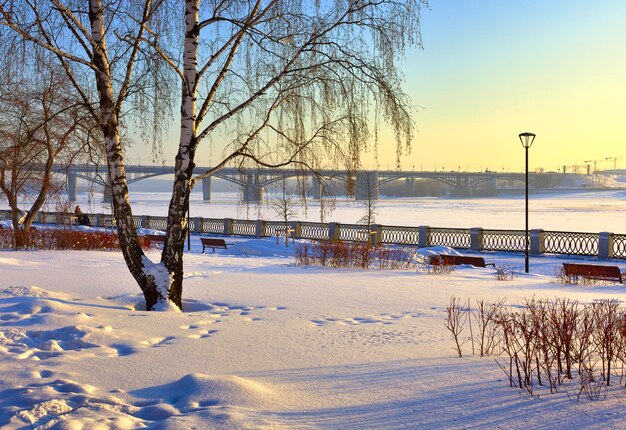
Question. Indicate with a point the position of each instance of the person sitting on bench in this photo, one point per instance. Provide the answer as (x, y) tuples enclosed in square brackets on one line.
[(81, 218)]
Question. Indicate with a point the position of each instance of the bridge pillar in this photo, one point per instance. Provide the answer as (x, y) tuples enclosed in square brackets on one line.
[(108, 193), (253, 190), (367, 187), (206, 189), (316, 186), (71, 186)]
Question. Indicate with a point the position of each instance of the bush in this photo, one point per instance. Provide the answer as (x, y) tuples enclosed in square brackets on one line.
[(352, 254), (436, 266), (55, 239), (505, 272), (549, 342)]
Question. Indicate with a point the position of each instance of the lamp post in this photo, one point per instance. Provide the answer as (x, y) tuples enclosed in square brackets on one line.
[(527, 141), (188, 226)]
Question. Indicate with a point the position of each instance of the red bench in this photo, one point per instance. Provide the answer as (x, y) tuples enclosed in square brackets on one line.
[(592, 271), (454, 260), (155, 238)]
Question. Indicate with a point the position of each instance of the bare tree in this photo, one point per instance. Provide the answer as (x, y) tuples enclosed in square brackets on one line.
[(40, 123), (284, 206), (369, 193), (284, 82)]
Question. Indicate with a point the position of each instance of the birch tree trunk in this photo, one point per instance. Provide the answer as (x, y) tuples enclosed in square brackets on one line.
[(177, 227), (154, 287)]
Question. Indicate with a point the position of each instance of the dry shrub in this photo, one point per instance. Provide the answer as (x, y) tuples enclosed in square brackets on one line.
[(55, 239), (505, 272), (352, 254), (560, 277), (303, 254), (436, 266), (456, 318), (546, 343), (394, 258), (486, 316)]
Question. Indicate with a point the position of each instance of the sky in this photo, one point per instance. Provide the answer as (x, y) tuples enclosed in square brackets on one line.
[(491, 69)]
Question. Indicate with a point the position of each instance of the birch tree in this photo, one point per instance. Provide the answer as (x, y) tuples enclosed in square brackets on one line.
[(283, 82), (98, 46)]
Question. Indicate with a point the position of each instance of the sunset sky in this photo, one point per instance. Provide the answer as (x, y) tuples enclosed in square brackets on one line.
[(491, 69)]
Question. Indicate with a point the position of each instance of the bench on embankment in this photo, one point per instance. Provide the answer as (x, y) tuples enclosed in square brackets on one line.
[(208, 242), (573, 271), (455, 260), (155, 239)]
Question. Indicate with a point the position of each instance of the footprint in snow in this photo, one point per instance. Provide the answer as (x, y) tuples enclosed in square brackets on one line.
[(382, 319)]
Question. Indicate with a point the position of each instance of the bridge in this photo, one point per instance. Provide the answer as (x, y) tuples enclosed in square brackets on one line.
[(254, 180)]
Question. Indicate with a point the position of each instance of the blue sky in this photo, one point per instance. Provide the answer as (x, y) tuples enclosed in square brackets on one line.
[(492, 69)]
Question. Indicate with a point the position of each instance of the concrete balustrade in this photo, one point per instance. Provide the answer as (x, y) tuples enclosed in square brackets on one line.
[(607, 244)]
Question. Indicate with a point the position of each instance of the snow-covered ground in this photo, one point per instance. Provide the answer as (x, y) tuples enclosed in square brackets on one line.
[(264, 343)]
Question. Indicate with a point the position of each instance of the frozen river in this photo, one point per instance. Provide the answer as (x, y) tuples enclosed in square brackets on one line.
[(580, 211)]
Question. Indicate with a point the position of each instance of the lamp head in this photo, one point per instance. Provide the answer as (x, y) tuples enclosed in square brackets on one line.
[(527, 139)]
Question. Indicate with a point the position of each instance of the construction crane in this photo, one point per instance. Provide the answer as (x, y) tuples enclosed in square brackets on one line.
[(595, 165), (614, 159), (574, 168)]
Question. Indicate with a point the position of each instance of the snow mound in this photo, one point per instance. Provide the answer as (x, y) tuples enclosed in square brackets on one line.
[(422, 255), (18, 291), (200, 390), (198, 400), (12, 262)]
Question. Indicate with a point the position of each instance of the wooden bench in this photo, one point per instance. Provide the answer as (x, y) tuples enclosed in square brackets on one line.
[(454, 260), (208, 242), (155, 238), (592, 271), (69, 220)]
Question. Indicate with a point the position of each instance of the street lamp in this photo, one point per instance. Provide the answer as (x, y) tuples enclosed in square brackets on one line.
[(527, 141)]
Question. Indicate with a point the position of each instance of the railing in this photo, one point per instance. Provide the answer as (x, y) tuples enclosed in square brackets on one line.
[(314, 230), (244, 227), (155, 223), (602, 245), (567, 242), (353, 233), (211, 225), (399, 235), (452, 237), (274, 228), (619, 246), (511, 240)]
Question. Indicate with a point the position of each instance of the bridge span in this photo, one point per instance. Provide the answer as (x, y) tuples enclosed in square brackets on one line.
[(253, 181)]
